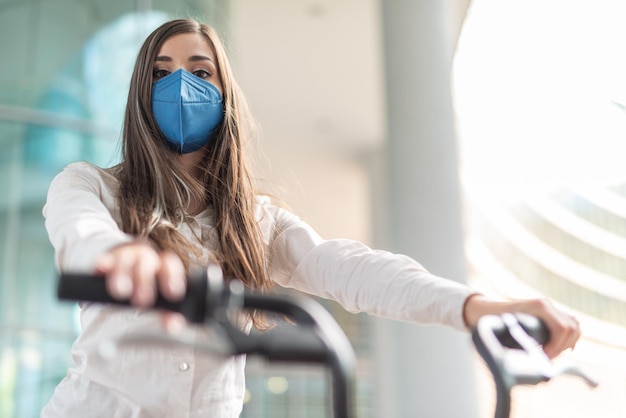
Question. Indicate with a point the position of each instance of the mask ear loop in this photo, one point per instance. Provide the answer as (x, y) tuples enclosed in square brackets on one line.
[(181, 134)]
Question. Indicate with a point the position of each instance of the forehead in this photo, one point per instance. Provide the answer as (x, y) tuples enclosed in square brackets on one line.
[(186, 45)]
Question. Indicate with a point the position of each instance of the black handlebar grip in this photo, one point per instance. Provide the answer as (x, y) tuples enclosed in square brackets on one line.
[(91, 288), (533, 326)]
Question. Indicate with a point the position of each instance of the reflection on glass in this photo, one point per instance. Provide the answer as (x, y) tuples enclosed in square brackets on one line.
[(540, 92), (77, 116)]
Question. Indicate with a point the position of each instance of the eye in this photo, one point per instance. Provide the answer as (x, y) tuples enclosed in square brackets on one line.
[(202, 73), (158, 74)]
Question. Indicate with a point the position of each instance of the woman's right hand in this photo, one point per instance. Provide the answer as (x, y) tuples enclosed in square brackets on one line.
[(135, 270)]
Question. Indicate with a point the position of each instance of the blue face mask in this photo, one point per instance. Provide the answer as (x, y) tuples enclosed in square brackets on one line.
[(187, 110)]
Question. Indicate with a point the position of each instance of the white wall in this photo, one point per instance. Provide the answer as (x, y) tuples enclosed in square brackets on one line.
[(313, 74), (319, 82)]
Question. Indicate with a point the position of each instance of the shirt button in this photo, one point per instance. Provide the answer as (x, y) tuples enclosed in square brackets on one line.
[(183, 367)]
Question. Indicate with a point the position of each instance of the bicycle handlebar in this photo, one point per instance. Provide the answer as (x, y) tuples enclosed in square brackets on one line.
[(91, 288), (317, 339), (508, 343)]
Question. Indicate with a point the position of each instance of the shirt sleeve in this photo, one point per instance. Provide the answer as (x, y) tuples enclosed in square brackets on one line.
[(363, 279), (79, 224)]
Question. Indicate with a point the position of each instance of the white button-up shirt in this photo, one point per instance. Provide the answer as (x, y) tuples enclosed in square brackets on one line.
[(142, 379)]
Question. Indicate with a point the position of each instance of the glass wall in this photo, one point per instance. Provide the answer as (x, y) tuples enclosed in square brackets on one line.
[(63, 82)]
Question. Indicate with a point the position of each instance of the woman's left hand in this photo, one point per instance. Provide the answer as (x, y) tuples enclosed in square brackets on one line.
[(564, 328)]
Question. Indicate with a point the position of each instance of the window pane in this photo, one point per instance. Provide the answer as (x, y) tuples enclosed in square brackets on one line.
[(539, 89)]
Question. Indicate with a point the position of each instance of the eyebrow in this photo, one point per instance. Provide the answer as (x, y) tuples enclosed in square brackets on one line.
[(195, 58)]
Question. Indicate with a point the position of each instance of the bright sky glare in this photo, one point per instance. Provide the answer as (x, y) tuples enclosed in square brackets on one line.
[(540, 94)]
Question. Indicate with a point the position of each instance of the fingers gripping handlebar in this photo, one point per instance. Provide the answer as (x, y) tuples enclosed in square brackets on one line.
[(204, 294), (209, 300), (508, 343)]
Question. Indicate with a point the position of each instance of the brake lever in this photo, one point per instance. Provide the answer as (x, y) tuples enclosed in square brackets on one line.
[(534, 366), (515, 357), (522, 359), (220, 344), (210, 301)]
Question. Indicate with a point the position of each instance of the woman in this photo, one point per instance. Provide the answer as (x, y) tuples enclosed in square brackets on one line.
[(183, 195)]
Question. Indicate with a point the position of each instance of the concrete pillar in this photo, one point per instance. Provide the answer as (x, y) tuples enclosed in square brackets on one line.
[(422, 371)]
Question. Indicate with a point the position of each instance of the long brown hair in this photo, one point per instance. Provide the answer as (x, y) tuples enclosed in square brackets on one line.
[(155, 189)]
